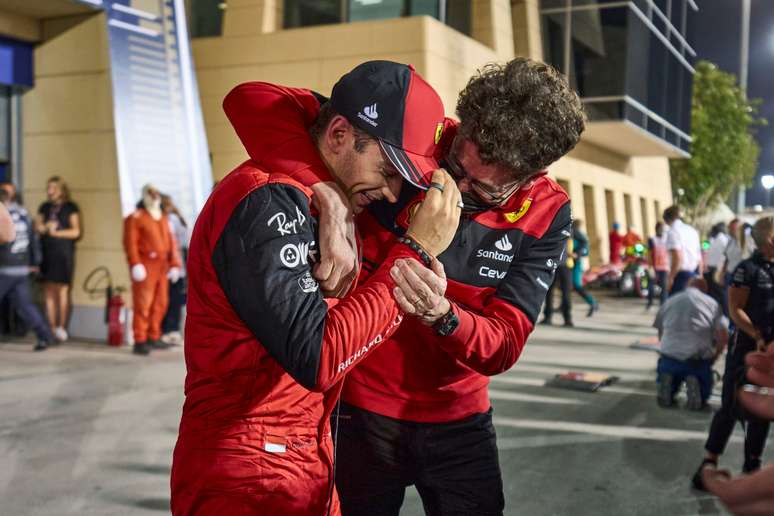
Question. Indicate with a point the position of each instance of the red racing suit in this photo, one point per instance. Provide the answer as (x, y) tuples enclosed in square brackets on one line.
[(499, 267), (265, 353)]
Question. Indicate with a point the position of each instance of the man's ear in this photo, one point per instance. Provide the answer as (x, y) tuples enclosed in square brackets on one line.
[(338, 135)]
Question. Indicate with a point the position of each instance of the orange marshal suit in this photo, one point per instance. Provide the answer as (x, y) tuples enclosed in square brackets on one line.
[(149, 242)]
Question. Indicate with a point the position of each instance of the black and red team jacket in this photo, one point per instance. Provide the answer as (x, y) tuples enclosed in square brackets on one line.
[(265, 353), (499, 267)]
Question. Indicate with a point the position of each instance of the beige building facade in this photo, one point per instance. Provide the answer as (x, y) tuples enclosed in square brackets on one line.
[(617, 173)]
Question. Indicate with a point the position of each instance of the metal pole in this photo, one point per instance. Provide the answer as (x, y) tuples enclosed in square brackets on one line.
[(743, 59)]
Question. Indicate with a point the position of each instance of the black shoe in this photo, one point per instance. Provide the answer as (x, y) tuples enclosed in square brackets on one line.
[(751, 465), (157, 344), (42, 345), (693, 391), (568, 324), (593, 308), (141, 348), (664, 392), (696, 481), (546, 321)]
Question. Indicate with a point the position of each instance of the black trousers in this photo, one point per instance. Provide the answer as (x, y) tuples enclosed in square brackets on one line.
[(659, 279), (730, 411), (454, 466), (564, 278), (177, 298)]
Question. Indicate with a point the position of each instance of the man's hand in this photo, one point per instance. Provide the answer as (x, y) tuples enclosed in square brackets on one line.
[(760, 372), (746, 495), (174, 274), (338, 265), (420, 291), (435, 222), (138, 272)]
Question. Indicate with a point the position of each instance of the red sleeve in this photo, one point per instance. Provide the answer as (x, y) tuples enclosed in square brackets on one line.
[(272, 122), (361, 321), (131, 238), (489, 342)]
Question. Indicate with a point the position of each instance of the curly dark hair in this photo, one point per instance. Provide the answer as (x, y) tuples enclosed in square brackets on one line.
[(521, 115)]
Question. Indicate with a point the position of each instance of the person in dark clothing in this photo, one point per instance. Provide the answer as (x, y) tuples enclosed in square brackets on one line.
[(17, 260), (580, 243), (58, 221), (170, 325), (751, 306), (563, 278)]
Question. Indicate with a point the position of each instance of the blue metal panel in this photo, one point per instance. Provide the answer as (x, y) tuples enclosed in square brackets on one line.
[(15, 63)]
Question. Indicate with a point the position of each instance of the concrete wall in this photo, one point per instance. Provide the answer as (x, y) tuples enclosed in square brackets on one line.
[(68, 131), (315, 57), (599, 169)]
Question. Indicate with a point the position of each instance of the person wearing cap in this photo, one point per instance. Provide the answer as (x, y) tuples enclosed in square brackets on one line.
[(152, 254), (265, 351), (417, 411)]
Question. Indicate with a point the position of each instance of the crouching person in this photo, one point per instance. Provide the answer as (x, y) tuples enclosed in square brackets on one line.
[(693, 333)]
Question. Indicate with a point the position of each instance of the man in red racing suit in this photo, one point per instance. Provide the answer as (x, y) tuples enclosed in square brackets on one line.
[(265, 353), (420, 414)]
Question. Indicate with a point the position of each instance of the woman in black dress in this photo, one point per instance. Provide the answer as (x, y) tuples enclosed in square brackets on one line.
[(58, 221)]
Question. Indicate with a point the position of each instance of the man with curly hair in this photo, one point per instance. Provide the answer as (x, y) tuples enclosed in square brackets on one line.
[(417, 411)]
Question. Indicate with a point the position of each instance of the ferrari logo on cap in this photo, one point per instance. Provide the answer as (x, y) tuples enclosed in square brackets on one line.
[(438, 132), (516, 215)]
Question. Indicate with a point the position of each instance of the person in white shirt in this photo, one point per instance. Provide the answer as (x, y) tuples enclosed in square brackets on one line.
[(684, 247), (716, 258)]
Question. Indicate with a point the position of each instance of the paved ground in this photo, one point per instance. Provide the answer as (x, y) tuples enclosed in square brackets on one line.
[(89, 430)]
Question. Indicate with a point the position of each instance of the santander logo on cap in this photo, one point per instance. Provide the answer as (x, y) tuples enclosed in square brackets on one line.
[(369, 115)]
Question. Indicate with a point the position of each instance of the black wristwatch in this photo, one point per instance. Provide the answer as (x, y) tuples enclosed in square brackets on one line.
[(446, 325)]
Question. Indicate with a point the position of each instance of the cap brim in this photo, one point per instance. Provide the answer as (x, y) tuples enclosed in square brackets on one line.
[(417, 169)]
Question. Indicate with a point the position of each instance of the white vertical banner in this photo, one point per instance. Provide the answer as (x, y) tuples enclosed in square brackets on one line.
[(160, 135)]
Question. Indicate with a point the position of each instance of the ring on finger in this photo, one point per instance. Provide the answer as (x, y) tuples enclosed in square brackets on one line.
[(437, 186)]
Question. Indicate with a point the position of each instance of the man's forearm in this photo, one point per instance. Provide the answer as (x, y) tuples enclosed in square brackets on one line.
[(743, 322)]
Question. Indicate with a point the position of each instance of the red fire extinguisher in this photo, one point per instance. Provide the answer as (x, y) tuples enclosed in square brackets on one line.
[(99, 283), (115, 316)]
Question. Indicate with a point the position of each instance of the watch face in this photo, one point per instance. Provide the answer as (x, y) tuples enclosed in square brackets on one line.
[(447, 324)]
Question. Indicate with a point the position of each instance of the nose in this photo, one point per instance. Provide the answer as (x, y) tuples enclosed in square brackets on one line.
[(391, 190), (464, 184)]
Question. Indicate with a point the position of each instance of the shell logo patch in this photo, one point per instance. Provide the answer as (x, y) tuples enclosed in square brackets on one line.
[(438, 132), (514, 216)]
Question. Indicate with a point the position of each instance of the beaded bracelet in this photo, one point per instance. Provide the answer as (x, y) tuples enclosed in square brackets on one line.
[(417, 248)]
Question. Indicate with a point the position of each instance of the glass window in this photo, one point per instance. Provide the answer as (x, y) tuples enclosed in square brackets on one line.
[(678, 8), (205, 18), (553, 39), (304, 13), (458, 15), (552, 4), (426, 7), (377, 9), (598, 52), (635, 116), (613, 110), (661, 5)]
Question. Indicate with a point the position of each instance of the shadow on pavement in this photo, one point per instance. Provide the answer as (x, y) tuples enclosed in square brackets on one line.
[(154, 469)]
